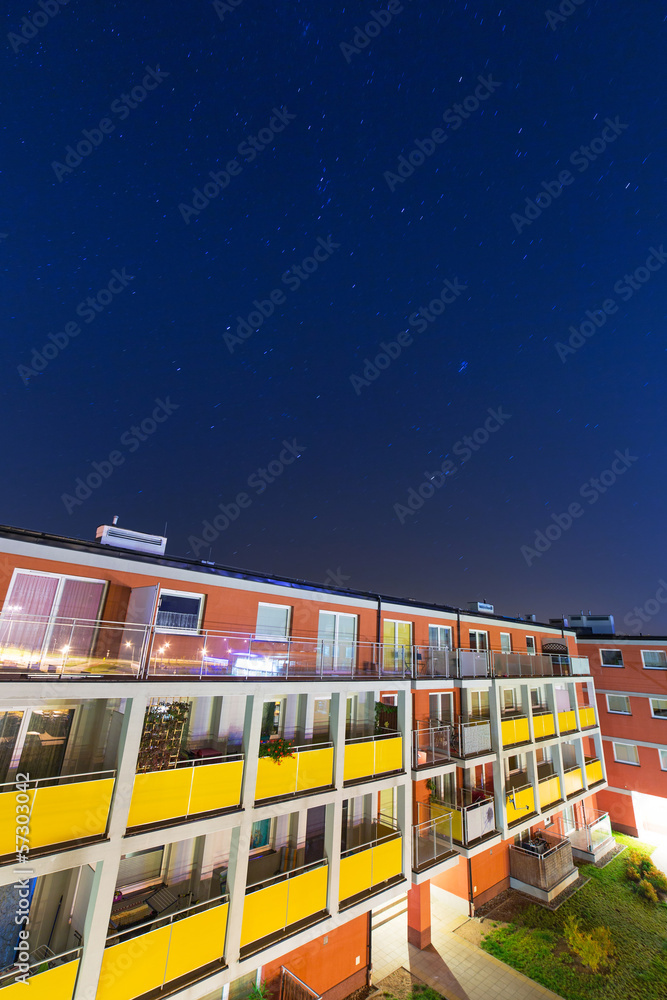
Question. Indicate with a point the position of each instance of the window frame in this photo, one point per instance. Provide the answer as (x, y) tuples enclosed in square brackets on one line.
[(288, 624), (664, 653), (633, 763), (508, 636), (174, 629), (446, 628), (476, 632), (615, 711), (533, 651), (617, 665), (653, 714), (662, 756)]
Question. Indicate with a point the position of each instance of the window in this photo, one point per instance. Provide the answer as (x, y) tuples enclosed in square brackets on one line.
[(618, 704), (479, 640), (397, 638), (273, 621), (611, 658), (659, 708), (140, 869), (440, 636), (509, 702), (536, 699), (654, 659), (505, 642), (179, 611), (626, 753), (479, 704), (530, 644), (440, 706), (663, 760), (336, 634)]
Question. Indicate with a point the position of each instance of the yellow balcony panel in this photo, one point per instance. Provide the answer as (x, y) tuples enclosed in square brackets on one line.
[(54, 984), (573, 781), (275, 778), (587, 717), (264, 912), (549, 789), (59, 813), (387, 860), (196, 941), (514, 731), (159, 796), (8, 823), (594, 771), (524, 805), (359, 761), (567, 722), (388, 755), (215, 786), (315, 769), (134, 967), (543, 726), (307, 894), (355, 873)]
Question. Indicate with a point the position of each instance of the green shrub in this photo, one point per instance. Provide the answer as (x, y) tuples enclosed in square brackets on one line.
[(595, 948), (658, 880), (633, 874), (647, 891)]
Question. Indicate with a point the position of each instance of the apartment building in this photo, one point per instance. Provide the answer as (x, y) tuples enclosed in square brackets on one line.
[(211, 777), (630, 675)]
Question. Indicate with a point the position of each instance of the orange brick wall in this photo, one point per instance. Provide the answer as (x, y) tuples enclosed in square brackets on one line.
[(324, 966)]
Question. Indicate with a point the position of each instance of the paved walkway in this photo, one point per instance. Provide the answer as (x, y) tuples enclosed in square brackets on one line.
[(451, 965)]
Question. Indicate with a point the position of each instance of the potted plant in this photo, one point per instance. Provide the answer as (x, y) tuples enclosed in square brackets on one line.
[(276, 749)]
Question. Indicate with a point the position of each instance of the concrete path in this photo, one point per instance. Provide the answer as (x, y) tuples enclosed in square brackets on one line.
[(453, 966)]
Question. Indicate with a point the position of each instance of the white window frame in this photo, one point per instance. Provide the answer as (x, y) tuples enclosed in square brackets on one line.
[(612, 665), (664, 667), (633, 763), (662, 754), (475, 632), (57, 597), (659, 715), (288, 624), (174, 630), (532, 651), (448, 638), (508, 637), (511, 707), (616, 711)]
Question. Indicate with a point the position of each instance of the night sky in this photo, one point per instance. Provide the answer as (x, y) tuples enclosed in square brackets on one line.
[(351, 186)]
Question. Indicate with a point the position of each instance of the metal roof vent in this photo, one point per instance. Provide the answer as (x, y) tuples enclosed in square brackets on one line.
[(136, 541)]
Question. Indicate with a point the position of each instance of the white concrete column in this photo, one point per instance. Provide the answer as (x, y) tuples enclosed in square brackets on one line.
[(128, 749), (96, 925), (338, 717), (332, 844)]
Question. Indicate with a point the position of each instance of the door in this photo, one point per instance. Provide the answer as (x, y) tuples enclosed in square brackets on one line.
[(315, 821), (336, 635), (141, 611), (397, 639)]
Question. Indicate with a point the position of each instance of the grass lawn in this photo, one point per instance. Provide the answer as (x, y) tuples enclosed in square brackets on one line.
[(534, 943)]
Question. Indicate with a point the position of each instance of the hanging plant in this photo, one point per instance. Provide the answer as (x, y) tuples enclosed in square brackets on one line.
[(277, 750)]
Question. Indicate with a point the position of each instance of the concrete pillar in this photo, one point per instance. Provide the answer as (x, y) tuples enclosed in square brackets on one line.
[(128, 749), (419, 915)]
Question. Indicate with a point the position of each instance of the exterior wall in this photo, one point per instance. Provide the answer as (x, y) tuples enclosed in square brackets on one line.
[(329, 964)]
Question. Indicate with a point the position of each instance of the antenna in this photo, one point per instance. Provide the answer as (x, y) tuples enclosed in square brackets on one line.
[(115, 519)]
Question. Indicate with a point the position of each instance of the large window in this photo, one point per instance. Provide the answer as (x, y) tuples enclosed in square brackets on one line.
[(273, 621), (179, 611), (337, 635), (626, 753), (654, 659), (618, 704), (440, 636), (530, 644), (479, 640), (397, 637), (611, 657), (479, 704), (441, 706), (505, 642), (659, 708)]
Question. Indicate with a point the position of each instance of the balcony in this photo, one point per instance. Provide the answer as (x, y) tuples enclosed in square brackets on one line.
[(567, 722), (310, 768), (549, 790), (470, 738), (519, 801), (190, 788), (283, 904), (594, 772), (542, 866), (573, 781), (587, 718), (522, 665), (175, 950), (368, 757), (514, 730), (432, 842), (430, 745), (53, 977), (473, 815), (543, 725), (66, 809), (371, 866), (593, 840)]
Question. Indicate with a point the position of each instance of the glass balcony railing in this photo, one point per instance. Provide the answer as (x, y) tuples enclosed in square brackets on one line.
[(470, 738), (514, 730), (310, 767), (522, 665), (190, 788), (430, 745), (63, 809), (367, 757), (141, 960), (594, 835), (587, 719), (543, 725), (519, 803), (432, 842), (567, 722), (367, 868), (287, 900), (594, 772), (549, 790), (53, 977), (573, 780), (472, 815)]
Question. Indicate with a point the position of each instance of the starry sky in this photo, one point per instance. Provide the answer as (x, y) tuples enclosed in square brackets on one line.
[(201, 273)]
